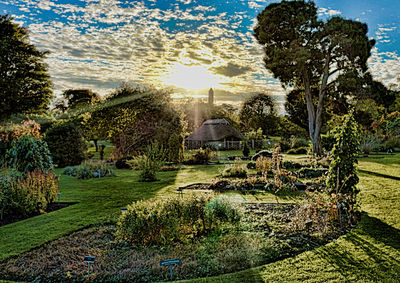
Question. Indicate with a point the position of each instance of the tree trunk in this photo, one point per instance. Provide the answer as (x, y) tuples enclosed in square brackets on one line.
[(314, 119), (95, 144)]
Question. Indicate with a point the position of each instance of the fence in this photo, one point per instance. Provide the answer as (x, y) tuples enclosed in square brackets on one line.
[(229, 145)]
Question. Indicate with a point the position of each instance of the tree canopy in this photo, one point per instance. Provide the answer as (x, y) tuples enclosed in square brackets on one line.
[(304, 52), (24, 82), (257, 112)]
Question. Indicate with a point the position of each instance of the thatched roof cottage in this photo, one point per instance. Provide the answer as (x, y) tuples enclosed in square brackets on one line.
[(217, 133)]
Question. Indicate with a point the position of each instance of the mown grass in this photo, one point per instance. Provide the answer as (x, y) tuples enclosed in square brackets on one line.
[(369, 253), (100, 200)]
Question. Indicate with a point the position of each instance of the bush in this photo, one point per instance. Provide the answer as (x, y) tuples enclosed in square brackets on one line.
[(327, 141), (123, 162), (369, 143), (312, 172), (66, 143), (235, 170), (150, 162), (246, 149), (28, 153), (342, 175), (265, 153), (300, 150), (251, 165), (292, 165), (284, 145), (296, 142), (156, 222), (264, 165), (89, 170), (27, 195), (201, 156)]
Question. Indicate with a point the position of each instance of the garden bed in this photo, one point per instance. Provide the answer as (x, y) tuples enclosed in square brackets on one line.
[(267, 235), (50, 208)]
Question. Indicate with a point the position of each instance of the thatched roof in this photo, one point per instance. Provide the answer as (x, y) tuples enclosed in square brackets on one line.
[(215, 130)]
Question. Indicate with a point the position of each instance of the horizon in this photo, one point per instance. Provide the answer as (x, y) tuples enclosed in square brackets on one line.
[(185, 45)]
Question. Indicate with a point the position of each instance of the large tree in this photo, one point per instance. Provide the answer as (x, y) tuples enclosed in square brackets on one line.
[(302, 51), (80, 97), (24, 82), (258, 111)]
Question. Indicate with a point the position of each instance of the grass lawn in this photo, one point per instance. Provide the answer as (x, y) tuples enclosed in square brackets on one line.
[(370, 252)]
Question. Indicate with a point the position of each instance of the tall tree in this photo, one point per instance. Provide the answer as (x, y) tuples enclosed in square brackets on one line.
[(301, 50), (257, 112), (24, 82), (80, 97)]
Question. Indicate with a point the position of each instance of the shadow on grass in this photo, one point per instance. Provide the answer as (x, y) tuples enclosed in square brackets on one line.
[(364, 253), (379, 175)]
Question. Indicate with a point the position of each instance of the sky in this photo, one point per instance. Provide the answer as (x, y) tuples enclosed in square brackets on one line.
[(186, 45)]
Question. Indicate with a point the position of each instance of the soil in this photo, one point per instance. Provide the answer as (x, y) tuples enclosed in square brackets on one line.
[(50, 208)]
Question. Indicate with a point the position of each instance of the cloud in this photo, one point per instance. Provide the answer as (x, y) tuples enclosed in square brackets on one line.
[(328, 12), (385, 66), (231, 70)]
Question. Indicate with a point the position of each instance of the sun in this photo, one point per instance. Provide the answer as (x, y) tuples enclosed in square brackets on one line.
[(193, 77)]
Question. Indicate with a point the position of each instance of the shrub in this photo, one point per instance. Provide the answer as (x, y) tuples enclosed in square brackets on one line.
[(27, 195), (246, 149), (66, 143), (299, 150), (296, 142), (369, 143), (123, 162), (292, 165), (175, 148), (251, 165), (28, 153), (265, 153), (235, 170), (284, 145), (327, 141), (89, 170), (264, 165), (150, 162), (156, 222), (201, 156), (342, 175), (312, 172)]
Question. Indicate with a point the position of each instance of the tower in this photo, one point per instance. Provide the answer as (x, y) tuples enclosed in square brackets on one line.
[(211, 97)]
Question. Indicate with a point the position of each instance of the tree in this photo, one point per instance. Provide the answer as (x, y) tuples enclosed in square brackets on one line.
[(257, 112), (80, 97), (302, 51), (24, 83), (342, 175)]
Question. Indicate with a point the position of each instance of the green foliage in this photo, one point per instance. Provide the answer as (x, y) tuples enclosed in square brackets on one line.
[(259, 112), (369, 143), (235, 170), (264, 165), (246, 148), (306, 53), (89, 169), (28, 153), (25, 85), (66, 143), (299, 150), (29, 194), (327, 141), (342, 175), (175, 148), (122, 163), (200, 156), (156, 222), (80, 97), (296, 142), (265, 153), (150, 162)]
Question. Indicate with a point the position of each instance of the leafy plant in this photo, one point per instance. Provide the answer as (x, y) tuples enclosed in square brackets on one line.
[(264, 165), (235, 170), (66, 143), (342, 175), (26, 195), (28, 153), (173, 219), (89, 169)]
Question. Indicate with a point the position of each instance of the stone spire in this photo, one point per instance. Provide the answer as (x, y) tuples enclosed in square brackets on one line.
[(211, 97)]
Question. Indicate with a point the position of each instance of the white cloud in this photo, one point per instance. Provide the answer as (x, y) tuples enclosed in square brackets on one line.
[(328, 12)]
